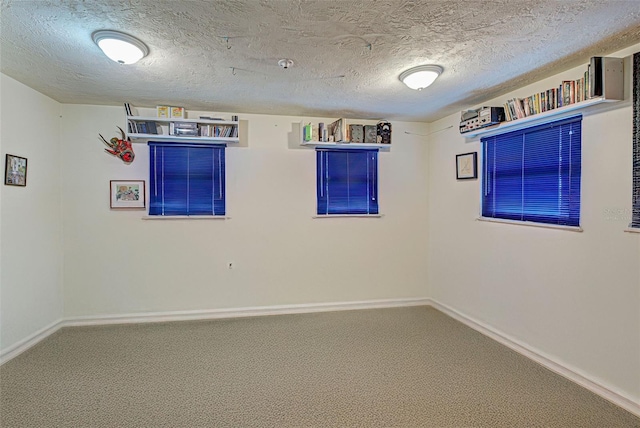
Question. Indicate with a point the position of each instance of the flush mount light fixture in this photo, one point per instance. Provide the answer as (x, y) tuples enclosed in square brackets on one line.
[(421, 76), (120, 47), (285, 63)]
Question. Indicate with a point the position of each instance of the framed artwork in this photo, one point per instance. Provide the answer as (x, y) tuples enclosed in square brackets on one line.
[(127, 194), (467, 166), (15, 171)]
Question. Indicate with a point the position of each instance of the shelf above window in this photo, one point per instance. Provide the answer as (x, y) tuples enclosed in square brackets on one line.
[(179, 138), (342, 144), (165, 128), (524, 122), (167, 120), (345, 145)]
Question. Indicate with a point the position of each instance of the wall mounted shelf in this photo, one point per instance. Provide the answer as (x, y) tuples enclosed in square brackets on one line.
[(179, 138), (524, 122), (227, 127), (345, 145), (166, 120)]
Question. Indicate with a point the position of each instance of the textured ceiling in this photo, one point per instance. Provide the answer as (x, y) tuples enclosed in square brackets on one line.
[(347, 53)]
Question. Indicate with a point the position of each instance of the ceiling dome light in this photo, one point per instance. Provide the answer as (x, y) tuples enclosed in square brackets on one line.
[(120, 47), (421, 76)]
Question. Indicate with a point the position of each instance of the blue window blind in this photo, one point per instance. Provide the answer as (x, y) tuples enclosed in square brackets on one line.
[(635, 201), (534, 174), (347, 181), (186, 179)]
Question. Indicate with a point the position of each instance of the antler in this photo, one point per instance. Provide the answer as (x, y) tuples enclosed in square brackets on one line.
[(124, 137), (104, 141), (108, 144)]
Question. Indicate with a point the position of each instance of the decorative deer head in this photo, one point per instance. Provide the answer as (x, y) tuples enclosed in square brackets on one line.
[(120, 147)]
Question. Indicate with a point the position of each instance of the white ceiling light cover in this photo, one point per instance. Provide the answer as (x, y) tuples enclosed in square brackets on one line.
[(120, 47), (420, 77)]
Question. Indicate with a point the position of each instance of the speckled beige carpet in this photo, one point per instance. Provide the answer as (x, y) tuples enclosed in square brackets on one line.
[(404, 367)]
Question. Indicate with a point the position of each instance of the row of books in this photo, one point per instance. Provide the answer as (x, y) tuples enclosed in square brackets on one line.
[(183, 129), (569, 92), (229, 131), (146, 127)]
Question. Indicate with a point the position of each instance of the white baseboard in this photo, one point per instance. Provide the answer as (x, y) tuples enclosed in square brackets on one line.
[(571, 373), (241, 312), (145, 317), (26, 343)]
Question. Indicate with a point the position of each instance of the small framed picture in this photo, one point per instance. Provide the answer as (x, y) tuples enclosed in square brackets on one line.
[(127, 194), (467, 166), (15, 171)]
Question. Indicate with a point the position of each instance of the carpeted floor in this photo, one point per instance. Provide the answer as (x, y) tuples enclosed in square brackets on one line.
[(404, 367)]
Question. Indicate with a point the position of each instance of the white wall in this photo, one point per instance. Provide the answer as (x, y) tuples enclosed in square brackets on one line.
[(574, 297), (31, 246), (116, 263)]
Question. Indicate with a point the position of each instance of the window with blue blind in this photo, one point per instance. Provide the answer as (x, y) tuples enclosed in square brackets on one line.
[(533, 174), (347, 181), (186, 179), (635, 199)]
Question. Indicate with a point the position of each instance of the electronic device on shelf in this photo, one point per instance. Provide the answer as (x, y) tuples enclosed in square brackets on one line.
[(356, 133), (370, 134), (606, 77), (480, 118), (384, 133)]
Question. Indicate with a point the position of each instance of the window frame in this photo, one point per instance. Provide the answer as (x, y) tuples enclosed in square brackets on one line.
[(634, 225), (327, 208), (571, 178), (216, 177)]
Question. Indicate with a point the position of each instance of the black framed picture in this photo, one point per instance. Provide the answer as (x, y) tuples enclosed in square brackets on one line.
[(467, 166), (15, 171)]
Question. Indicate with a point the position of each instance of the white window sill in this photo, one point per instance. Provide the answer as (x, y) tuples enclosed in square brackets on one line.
[(633, 230), (349, 215), (185, 217), (530, 223)]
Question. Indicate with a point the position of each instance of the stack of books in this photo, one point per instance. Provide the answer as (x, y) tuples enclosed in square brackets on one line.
[(143, 127)]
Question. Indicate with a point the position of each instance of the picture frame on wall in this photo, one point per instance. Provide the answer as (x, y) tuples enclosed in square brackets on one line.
[(127, 194), (15, 171), (467, 166)]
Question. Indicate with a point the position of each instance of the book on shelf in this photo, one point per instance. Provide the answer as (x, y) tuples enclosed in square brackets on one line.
[(162, 112), (507, 112), (338, 130), (566, 92), (177, 113), (143, 127), (152, 128)]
